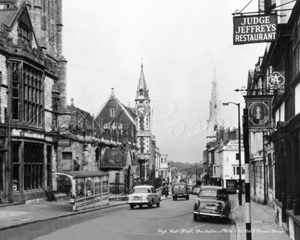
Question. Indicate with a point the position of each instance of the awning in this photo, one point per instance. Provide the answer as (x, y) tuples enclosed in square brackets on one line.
[(82, 174)]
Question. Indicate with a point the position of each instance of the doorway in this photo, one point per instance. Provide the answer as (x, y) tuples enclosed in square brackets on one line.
[(1, 178)]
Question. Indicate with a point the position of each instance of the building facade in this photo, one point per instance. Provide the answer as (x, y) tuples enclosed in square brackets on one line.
[(118, 149), (275, 161), (33, 94)]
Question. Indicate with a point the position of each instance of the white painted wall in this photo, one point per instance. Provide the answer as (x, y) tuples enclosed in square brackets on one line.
[(297, 99)]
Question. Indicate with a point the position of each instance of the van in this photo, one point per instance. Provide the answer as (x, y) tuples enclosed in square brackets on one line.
[(180, 190)]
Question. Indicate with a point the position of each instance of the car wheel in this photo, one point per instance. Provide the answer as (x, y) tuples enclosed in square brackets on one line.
[(195, 217), (158, 204), (131, 206)]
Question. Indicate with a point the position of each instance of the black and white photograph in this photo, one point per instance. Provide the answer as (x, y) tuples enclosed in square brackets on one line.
[(149, 119)]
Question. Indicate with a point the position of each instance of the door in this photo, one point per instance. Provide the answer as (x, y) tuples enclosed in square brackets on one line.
[(230, 186), (1, 177)]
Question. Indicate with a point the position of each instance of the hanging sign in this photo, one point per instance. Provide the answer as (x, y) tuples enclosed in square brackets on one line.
[(275, 80), (259, 112), (254, 29)]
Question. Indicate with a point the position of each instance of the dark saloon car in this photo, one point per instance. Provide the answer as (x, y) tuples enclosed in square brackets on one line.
[(212, 201)]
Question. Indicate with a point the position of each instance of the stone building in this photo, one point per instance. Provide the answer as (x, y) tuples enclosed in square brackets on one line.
[(33, 94)]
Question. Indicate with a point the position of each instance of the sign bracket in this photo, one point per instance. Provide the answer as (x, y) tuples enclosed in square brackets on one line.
[(240, 12)]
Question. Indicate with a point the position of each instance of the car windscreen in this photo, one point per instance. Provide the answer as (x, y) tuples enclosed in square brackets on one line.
[(141, 190), (208, 193), (179, 186)]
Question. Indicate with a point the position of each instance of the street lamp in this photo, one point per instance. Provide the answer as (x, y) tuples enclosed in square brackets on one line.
[(208, 165), (240, 167)]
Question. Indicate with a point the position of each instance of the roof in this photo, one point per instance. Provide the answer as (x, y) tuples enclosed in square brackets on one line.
[(82, 119), (128, 111), (142, 91), (7, 15), (83, 174)]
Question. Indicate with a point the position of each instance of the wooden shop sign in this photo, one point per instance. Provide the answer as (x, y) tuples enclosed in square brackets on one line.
[(254, 29)]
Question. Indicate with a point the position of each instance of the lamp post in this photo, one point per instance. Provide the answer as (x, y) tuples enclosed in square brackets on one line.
[(240, 167), (208, 166)]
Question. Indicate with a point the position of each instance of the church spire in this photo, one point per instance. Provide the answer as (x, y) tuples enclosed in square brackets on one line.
[(214, 121), (142, 92)]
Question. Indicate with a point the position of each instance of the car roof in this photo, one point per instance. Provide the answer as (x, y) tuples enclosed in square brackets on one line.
[(212, 187), (143, 186)]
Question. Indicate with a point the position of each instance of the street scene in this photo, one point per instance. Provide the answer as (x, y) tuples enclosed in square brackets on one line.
[(139, 119)]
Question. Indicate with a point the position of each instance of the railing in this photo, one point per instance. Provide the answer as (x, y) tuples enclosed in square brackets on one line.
[(101, 199)]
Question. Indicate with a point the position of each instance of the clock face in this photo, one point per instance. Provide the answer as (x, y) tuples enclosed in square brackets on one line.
[(141, 110)]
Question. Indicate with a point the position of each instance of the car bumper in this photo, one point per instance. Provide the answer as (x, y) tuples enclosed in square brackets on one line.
[(138, 202), (207, 214)]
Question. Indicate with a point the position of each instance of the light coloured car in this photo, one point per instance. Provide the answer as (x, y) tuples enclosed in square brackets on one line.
[(212, 201), (143, 195)]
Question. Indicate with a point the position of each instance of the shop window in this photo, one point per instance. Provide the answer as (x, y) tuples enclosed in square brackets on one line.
[(33, 166)]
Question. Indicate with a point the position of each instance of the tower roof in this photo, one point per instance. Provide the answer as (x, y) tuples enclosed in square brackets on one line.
[(142, 91)]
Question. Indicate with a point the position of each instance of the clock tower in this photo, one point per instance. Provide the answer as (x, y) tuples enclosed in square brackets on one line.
[(143, 116)]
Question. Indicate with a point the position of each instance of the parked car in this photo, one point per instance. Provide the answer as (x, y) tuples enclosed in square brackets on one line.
[(196, 189), (143, 195), (180, 190), (212, 201)]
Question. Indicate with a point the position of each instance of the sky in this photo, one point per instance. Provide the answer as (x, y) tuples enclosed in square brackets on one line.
[(180, 44)]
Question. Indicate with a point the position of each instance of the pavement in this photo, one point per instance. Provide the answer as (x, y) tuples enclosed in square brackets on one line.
[(16, 215), (263, 225)]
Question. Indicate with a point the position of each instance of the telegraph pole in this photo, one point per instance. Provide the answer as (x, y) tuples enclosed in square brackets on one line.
[(196, 176), (247, 174)]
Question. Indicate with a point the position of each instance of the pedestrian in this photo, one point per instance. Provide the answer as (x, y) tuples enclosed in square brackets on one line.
[(166, 190)]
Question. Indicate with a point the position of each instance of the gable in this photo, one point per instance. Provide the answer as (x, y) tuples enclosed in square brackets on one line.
[(25, 21), (114, 111), (19, 25)]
